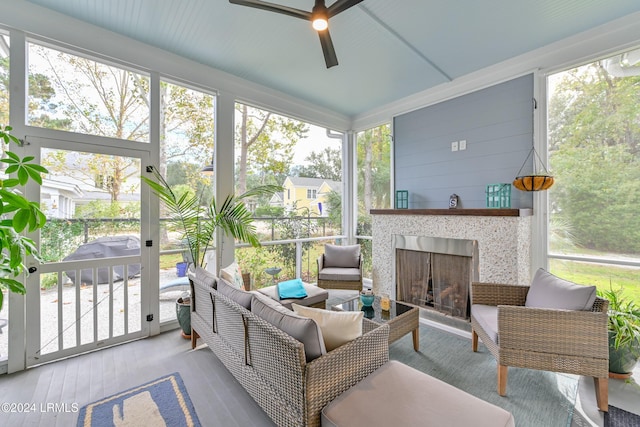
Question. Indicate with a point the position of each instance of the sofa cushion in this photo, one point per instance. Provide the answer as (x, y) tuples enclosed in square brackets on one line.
[(233, 275), (315, 295), (237, 295), (338, 327), (301, 328), (549, 291), (341, 256), (487, 317), (345, 274), (205, 277)]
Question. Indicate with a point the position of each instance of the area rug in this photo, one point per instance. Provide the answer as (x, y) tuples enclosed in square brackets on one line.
[(162, 402), (617, 417), (535, 398)]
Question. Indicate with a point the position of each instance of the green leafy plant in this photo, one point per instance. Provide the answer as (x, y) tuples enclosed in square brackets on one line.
[(17, 214), (199, 222), (624, 320)]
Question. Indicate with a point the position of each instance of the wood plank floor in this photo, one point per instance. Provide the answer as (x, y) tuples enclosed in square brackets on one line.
[(218, 398)]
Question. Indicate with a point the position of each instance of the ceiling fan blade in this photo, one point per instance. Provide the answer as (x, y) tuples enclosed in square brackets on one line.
[(329, 52), (272, 7), (340, 6)]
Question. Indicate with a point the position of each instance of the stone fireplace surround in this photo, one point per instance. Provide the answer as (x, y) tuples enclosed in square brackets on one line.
[(503, 237)]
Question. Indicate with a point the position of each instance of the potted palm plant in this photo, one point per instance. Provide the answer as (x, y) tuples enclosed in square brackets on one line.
[(17, 214), (624, 333), (198, 223)]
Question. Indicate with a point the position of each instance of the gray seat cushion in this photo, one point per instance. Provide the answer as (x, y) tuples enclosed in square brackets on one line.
[(549, 291), (487, 317), (315, 295), (344, 274), (341, 256), (301, 328), (237, 295), (399, 395)]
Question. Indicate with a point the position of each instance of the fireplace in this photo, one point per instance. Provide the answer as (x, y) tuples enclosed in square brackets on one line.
[(435, 273)]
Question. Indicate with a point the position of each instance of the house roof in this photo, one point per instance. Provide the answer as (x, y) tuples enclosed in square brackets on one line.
[(387, 50), (301, 181)]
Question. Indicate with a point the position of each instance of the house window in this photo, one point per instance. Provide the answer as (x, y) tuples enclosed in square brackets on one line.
[(288, 193), (593, 139), (77, 94), (311, 194)]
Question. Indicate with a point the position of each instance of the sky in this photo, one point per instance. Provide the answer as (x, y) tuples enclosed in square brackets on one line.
[(316, 140)]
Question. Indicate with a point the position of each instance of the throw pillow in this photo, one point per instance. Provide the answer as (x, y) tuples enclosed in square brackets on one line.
[(233, 275), (338, 327), (549, 291), (341, 256), (301, 328), (236, 295), (291, 289), (204, 276)]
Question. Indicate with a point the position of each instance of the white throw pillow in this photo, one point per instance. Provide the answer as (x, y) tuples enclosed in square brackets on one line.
[(233, 275), (338, 327)]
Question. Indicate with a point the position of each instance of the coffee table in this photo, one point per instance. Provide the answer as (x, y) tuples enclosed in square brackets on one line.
[(401, 318)]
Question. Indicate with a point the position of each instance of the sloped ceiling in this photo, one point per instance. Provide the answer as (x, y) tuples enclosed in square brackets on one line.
[(387, 50)]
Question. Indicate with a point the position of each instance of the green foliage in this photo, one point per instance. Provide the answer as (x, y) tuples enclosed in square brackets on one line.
[(624, 320), (594, 142), (294, 226), (17, 214), (326, 164), (199, 223), (269, 211)]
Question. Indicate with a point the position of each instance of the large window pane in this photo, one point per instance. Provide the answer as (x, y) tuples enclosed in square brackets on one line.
[(72, 93), (307, 164), (4, 120), (186, 146), (594, 150), (374, 182)]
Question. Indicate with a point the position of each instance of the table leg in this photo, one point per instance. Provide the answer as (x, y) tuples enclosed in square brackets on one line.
[(416, 339)]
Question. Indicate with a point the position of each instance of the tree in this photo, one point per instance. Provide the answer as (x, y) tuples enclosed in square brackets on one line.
[(265, 142), (326, 164), (594, 137), (374, 163)]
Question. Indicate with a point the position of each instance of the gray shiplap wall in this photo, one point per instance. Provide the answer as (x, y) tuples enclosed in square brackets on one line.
[(497, 124)]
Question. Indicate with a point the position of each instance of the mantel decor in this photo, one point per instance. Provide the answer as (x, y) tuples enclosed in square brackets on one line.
[(537, 181)]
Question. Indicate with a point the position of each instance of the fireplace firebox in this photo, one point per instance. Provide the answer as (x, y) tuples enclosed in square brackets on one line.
[(436, 273)]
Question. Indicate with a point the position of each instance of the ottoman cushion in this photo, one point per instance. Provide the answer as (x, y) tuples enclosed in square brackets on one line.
[(399, 395), (314, 295)]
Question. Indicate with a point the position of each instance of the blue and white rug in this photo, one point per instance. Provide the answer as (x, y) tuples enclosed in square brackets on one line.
[(162, 402)]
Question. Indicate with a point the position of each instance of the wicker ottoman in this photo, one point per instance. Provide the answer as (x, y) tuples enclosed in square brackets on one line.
[(316, 297), (398, 395)]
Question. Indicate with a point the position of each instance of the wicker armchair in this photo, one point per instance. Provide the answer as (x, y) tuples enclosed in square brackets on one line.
[(568, 341), (340, 267)]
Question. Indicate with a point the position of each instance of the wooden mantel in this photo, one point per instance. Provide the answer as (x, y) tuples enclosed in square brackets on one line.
[(460, 212)]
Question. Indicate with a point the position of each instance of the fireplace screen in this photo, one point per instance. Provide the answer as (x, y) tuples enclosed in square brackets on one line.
[(432, 280)]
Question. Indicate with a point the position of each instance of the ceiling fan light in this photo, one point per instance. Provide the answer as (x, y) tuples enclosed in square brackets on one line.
[(320, 23)]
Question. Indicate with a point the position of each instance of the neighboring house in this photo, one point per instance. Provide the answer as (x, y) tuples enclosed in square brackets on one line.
[(309, 193), (58, 197), (277, 200)]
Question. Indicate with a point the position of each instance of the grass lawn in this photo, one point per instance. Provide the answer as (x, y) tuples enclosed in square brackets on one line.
[(603, 276)]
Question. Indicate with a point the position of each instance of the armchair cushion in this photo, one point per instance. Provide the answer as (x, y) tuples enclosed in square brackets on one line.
[(549, 291), (301, 328), (487, 318), (207, 278), (342, 256), (344, 274)]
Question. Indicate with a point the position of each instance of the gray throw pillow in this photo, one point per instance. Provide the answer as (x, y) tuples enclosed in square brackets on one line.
[(341, 256), (549, 291), (237, 295), (301, 328), (205, 277)]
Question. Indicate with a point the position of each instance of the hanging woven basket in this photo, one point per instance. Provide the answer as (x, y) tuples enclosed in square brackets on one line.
[(533, 182)]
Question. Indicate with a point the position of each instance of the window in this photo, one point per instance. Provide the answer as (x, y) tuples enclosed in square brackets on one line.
[(76, 94), (301, 158), (593, 141)]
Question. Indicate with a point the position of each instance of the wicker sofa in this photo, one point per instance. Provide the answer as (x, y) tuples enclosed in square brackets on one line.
[(271, 365)]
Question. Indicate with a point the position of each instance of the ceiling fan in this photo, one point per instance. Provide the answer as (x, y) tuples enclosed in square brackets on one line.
[(319, 17)]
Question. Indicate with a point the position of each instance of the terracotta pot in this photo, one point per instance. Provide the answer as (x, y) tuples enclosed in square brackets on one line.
[(533, 182)]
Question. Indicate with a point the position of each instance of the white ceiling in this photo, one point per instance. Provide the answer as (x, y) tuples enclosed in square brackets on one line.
[(387, 50)]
